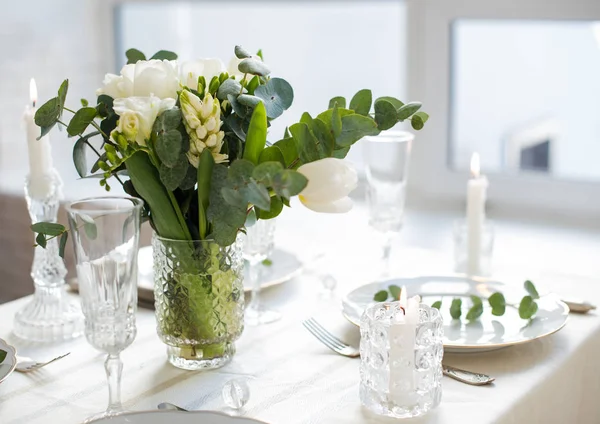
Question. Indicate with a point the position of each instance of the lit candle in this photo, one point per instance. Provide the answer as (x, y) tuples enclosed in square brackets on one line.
[(476, 194), (40, 157), (402, 335)]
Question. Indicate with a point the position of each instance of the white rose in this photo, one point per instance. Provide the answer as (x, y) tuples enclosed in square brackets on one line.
[(330, 180), (142, 79), (208, 68), (145, 109), (129, 124)]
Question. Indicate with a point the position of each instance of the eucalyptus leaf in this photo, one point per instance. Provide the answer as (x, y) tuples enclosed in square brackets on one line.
[(339, 100), (164, 55), (418, 120), (80, 121), (48, 113), (275, 210), (91, 230), (226, 219), (288, 147), (385, 114), (84, 102), (530, 288), (395, 291), (168, 120), (341, 152), (62, 244), (96, 165), (253, 66), (172, 176), (257, 194), (437, 304), (189, 181), (3, 354), (381, 296), (277, 95), (40, 239), (394, 101), (241, 53), (498, 304), (361, 102), (456, 308), (249, 100), (355, 127), (242, 111), (79, 157), (527, 307), (133, 55), (266, 171), (288, 183), (234, 123), (475, 312), (62, 96), (272, 154), (408, 109), (227, 87), (105, 106), (306, 143), (476, 300), (48, 228), (168, 147), (336, 122), (253, 84), (251, 218)]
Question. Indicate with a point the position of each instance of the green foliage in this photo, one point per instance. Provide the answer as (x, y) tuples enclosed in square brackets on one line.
[(361, 102), (79, 158), (48, 228), (355, 127), (306, 143), (498, 304), (84, 102), (229, 87), (527, 308), (275, 209), (3, 354), (164, 55), (253, 84), (395, 292), (394, 101), (288, 183), (476, 310), (339, 100), (289, 149), (277, 94), (418, 120), (62, 244), (40, 239), (272, 154), (254, 66), (80, 121), (249, 100), (204, 173), (530, 288), (172, 176), (267, 262), (381, 296), (437, 304), (168, 147), (407, 110), (133, 55), (385, 114), (241, 53), (256, 137), (225, 219), (456, 308)]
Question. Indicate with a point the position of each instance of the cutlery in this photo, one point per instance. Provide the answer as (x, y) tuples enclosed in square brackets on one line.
[(26, 365), (579, 307), (344, 349), (171, 407)]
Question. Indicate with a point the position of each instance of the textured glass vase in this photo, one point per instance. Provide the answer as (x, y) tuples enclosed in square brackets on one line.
[(199, 300)]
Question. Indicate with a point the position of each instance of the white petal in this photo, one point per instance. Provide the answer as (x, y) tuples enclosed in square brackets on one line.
[(342, 205), (328, 179)]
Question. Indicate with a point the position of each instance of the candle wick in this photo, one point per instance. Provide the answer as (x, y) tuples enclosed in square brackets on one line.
[(403, 310), (33, 102)]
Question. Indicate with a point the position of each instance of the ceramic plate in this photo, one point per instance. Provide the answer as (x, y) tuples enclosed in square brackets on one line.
[(176, 417), (284, 267), (487, 333), (10, 362)]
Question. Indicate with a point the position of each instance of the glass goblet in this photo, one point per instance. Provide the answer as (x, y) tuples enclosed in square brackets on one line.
[(387, 159), (258, 246), (105, 233)]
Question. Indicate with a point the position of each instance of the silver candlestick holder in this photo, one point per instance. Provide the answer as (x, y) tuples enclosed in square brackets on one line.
[(50, 316)]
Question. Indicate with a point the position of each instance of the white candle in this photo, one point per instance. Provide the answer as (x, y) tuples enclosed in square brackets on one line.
[(402, 333), (40, 156), (476, 194)]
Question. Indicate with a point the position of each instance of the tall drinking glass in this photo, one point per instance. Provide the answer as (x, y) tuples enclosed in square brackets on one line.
[(387, 158), (258, 246), (105, 233)]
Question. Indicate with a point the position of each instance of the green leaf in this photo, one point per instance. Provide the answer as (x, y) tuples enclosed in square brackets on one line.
[(259, 53), (79, 157), (418, 120), (249, 100), (105, 106), (48, 113), (62, 244), (327, 115), (168, 120), (81, 120), (355, 127), (394, 101), (456, 308), (168, 148), (272, 154), (266, 172), (326, 142), (133, 55), (40, 239), (437, 304), (306, 143), (408, 109), (253, 84), (275, 210), (251, 218), (361, 102), (2, 356), (527, 307), (96, 165), (254, 66), (172, 176), (395, 292), (341, 153), (48, 228), (241, 53), (288, 183), (62, 96), (229, 87), (267, 262), (476, 300), (475, 312), (381, 296), (339, 100), (214, 85), (256, 138), (336, 122), (498, 304), (288, 147), (385, 114), (89, 226), (84, 102), (164, 55), (226, 219), (530, 288), (258, 195), (277, 95), (204, 174), (190, 179)]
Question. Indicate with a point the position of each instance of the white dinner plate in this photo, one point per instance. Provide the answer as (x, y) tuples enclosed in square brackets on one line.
[(284, 266), (176, 417), (489, 332), (10, 362)]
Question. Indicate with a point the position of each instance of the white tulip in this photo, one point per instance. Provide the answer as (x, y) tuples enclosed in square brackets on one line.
[(145, 78), (192, 70), (232, 68), (330, 180), (145, 109)]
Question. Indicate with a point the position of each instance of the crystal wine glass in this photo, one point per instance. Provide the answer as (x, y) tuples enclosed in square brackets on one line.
[(387, 158), (105, 233), (258, 246)]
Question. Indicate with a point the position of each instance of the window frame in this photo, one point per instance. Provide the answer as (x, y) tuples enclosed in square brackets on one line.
[(429, 79)]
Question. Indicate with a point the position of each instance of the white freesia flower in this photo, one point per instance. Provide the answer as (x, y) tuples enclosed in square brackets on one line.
[(145, 78), (208, 68), (232, 68), (137, 116), (330, 180)]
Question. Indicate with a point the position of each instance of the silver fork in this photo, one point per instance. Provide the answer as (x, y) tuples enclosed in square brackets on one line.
[(344, 349), (25, 365)]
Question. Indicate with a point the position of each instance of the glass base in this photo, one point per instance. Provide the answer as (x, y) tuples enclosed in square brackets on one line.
[(198, 358), (50, 317), (260, 316), (382, 404), (103, 415)]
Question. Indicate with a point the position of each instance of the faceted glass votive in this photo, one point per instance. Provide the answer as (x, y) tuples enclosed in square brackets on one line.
[(400, 373), (461, 249)]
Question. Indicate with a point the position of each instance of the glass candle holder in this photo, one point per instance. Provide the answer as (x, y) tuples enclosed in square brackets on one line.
[(461, 249), (400, 372)]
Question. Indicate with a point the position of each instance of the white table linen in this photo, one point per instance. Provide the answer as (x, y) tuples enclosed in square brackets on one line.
[(295, 379)]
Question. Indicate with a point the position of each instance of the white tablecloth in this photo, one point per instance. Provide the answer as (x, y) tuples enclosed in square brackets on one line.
[(295, 379)]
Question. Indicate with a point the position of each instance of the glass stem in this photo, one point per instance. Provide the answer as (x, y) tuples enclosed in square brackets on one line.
[(385, 257), (255, 284), (114, 369)]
